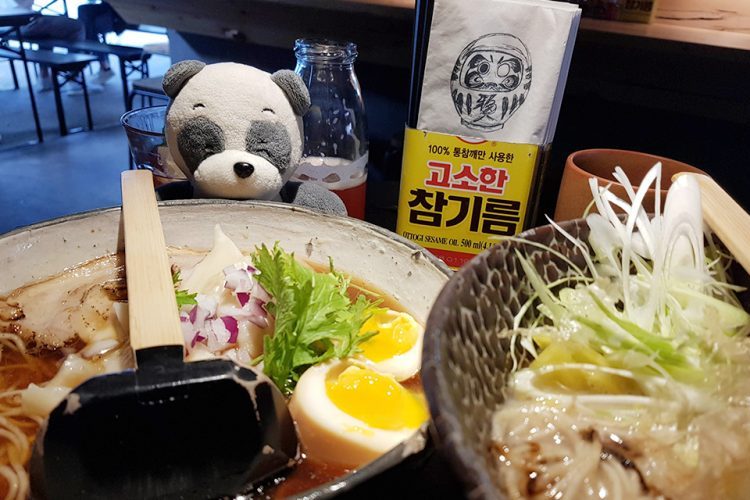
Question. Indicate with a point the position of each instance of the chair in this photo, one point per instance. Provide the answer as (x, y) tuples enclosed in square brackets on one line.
[(147, 88)]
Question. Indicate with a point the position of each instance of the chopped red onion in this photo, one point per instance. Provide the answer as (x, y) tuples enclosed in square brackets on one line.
[(188, 331), (259, 322), (231, 325), (208, 303), (258, 314), (215, 326), (261, 294), (217, 334), (238, 280), (243, 297), (196, 339)]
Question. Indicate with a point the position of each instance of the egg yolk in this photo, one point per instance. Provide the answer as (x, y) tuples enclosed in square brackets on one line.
[(397, 333), (376, 399)]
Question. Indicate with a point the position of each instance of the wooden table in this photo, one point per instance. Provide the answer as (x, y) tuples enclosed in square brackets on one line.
[(14, 19)]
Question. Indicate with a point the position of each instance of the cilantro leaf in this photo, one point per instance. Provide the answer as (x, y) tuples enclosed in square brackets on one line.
[(315, 319)]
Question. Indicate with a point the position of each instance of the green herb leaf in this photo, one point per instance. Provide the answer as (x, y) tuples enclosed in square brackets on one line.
[(315, 319), (183, 297)]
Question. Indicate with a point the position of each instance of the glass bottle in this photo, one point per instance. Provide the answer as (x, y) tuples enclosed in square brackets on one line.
[(335, 128)]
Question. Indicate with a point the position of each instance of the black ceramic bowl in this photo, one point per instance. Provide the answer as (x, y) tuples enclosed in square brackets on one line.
[(465, 362)]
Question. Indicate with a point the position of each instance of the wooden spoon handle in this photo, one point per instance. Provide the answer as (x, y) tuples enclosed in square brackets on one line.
[(726, 218), (154, 318)]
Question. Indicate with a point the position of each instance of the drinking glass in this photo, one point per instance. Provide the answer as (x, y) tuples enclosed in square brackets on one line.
[(148, 146)]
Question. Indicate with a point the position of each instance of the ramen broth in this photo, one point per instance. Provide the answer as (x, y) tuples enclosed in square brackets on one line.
[(638, 386), (18, 370)]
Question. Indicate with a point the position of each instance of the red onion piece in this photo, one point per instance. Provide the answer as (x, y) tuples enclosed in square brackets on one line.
[(261, 294), (188, 331), (243, 298), (196, 339), (231, 325), (258, 314), (218, 334), (238, 280)]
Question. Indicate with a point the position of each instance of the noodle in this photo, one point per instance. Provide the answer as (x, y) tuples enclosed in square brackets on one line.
[(15, 429), (544, 453), (18, 369), (544, 448)]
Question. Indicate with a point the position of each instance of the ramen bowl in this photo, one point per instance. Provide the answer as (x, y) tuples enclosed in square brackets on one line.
[(468, 358), (376, 256), (465, 363)]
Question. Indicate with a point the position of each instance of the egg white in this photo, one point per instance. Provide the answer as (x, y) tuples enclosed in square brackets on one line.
[(331, 435), (402, 366)]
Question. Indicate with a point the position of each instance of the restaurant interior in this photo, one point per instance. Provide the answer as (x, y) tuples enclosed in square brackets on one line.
[(673, 87), (88, 88)]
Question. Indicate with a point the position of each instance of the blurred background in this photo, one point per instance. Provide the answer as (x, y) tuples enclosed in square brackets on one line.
[(671, 81)]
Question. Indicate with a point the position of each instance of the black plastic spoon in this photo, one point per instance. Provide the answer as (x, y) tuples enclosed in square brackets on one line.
[(168, 429)]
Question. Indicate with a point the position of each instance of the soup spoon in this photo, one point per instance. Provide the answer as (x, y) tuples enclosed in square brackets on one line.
[(168, 428)]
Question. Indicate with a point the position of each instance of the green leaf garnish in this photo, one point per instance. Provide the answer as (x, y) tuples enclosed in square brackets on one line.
[(315, 319), (184, 298)]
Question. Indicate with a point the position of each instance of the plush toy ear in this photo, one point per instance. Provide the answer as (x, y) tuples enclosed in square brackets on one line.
[(178, 75), (294, 88)]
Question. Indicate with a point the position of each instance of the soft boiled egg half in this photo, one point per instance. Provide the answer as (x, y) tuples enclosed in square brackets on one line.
[(397, 347), (350, 414)]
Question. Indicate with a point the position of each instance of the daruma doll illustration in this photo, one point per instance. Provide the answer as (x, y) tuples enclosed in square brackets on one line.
[(491, 80)]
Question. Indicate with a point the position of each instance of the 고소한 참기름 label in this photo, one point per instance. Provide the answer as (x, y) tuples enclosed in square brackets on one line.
[(458, 195)]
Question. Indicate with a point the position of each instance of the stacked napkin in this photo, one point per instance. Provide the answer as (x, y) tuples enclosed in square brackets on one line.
[(496, 69)]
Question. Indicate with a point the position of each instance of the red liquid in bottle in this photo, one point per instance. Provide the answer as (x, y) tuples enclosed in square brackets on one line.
[(354, 199)]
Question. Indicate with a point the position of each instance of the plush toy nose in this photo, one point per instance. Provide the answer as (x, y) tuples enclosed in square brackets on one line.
[(243, 169)]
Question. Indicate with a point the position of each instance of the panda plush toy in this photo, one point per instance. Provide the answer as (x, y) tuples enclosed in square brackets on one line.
[(236, 133)]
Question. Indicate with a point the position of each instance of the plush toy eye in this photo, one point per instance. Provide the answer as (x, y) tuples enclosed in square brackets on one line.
[(198, 106), (269, 110)]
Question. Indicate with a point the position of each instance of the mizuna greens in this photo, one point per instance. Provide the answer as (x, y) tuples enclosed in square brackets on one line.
[(635, 361), (315, 319), (183, 297)]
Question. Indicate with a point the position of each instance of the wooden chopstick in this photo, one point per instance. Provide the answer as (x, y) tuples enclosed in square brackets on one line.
[(725, 217)]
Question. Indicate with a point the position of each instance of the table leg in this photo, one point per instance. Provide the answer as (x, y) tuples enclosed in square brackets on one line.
[(124, 78), (34, 110), (13, 73), (58, 104), (86, 99)]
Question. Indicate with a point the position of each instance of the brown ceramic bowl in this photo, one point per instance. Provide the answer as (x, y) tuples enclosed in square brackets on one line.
[(574, 195)]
